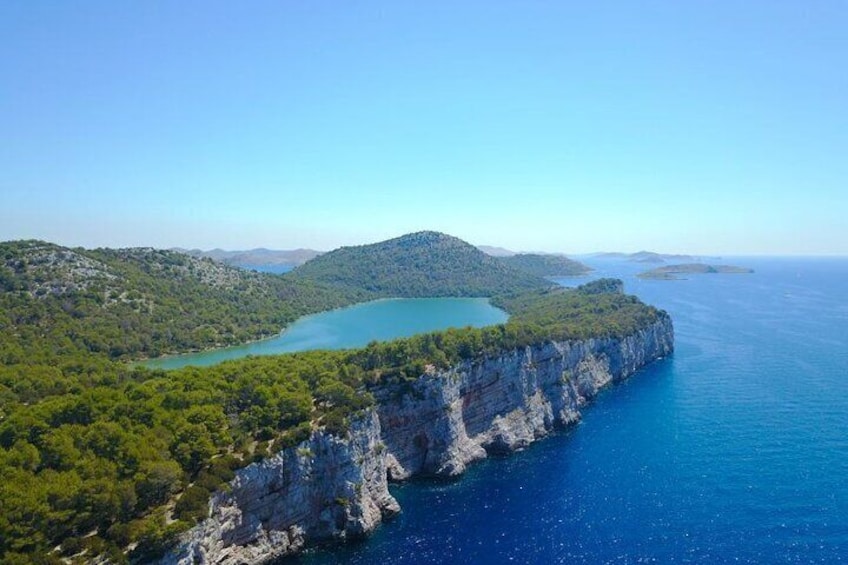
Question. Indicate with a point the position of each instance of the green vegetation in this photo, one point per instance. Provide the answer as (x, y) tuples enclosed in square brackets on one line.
[(424, 264), (101, 463), (546, 265), (98, 456), (134, 303), (597, 309), (671, 272)]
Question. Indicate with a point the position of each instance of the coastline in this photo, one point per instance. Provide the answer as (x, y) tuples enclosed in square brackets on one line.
[(151, 362), (435, 426)]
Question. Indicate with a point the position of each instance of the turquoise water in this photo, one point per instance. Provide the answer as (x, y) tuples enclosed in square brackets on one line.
[(735, 450), (355, 326)]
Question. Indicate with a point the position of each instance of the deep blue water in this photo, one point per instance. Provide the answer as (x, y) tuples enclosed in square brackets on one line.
[(733, 450)]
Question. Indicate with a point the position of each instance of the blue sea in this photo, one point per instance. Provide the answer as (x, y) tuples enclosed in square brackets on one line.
[(734, 450)]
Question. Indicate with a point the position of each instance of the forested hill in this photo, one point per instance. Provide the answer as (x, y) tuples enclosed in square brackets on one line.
[(423, 264), (546, 265), (132, 303), (104, 462)]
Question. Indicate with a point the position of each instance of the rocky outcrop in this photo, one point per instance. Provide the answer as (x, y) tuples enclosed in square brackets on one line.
[(445, 420), (333, 488), (325, 488)]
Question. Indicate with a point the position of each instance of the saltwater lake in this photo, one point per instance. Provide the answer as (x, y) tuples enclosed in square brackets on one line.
[(355, 326), (733, 450)]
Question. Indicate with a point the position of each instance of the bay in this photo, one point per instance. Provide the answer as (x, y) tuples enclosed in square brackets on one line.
[(734, 450), (354, 326)]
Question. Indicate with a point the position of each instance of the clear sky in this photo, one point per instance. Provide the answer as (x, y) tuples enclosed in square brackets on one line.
[(677, 126)]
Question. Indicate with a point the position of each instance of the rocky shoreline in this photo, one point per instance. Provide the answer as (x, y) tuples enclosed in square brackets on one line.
[(330, 488)]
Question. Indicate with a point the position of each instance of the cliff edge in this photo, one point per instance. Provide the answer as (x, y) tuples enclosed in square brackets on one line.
[(331, 488)]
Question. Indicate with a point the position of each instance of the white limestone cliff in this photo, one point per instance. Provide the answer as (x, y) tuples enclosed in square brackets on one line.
[(331, 488), (325, 488)]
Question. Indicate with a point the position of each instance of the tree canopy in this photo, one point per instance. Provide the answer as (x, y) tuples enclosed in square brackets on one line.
[(135, 303), (546, 265), (98, 456), (423, 264)]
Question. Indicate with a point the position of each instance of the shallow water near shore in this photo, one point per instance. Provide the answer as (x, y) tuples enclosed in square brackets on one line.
[(733, 450), (354, 326)]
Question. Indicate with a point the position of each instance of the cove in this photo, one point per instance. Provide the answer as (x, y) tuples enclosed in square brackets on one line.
[(354, 326)]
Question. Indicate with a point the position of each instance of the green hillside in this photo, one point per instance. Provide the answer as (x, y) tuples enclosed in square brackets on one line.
[(101, 459), (134, 303), (546, 265), (423, 264)]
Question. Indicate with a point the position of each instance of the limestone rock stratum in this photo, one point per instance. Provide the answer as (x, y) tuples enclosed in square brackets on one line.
[(330, 488)]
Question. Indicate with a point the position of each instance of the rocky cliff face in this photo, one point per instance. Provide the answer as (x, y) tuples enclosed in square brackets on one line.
[(332, 488), (325, 488), (446, 420)]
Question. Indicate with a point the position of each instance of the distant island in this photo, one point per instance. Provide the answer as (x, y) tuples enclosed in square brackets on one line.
[(672, 272), (647, 257), (252, 257)]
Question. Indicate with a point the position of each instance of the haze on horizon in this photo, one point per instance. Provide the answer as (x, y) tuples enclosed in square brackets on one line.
[(698, 128)]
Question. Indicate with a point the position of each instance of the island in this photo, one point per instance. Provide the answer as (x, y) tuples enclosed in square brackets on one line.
[(104, 460), (434, 404), (673, 272)]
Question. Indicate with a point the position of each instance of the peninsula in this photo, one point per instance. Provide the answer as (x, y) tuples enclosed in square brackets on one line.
[(245, 461), (435, 403)]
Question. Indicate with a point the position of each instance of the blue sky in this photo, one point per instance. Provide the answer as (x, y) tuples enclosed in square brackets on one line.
[(698, 127)]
